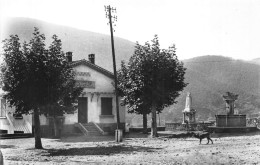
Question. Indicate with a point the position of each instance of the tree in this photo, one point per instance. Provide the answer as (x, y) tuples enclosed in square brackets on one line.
[(38, 80), (129, 87), (151, 80)]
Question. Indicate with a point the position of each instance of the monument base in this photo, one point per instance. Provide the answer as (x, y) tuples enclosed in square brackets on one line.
[(231, 124), (230, 120), (232, 129)]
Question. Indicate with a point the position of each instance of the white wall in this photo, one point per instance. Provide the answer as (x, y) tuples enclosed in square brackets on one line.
[(102, 82), (103, 88)]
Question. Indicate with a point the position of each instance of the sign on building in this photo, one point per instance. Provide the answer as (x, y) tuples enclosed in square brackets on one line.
[(86, 84), (83, 74)]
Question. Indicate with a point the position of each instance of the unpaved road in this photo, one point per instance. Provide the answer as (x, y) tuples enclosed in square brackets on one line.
[(135, 149)]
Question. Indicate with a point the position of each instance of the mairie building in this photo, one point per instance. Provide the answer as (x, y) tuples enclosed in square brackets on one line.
[(96, 110)]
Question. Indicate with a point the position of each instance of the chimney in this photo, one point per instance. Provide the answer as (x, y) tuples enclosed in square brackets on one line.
[(69, 56), (91, 58)]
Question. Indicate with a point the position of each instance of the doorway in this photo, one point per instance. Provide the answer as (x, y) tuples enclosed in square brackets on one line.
[(83, 110)]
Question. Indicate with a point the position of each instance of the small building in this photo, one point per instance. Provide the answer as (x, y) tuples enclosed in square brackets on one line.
[(96, 112), (97, 104)]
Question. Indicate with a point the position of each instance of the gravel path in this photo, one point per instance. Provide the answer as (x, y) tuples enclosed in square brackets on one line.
[(135, 149)]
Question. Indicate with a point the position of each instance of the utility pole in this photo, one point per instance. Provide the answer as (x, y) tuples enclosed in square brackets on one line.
[(113, 19)]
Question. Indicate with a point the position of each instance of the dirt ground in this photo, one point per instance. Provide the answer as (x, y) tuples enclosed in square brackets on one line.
[(135, 149)]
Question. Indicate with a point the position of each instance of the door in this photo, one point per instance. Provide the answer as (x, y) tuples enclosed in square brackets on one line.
[(83, 109)]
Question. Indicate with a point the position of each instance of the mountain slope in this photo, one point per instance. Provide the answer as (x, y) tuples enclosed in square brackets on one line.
[(209, 77), (80, 42)]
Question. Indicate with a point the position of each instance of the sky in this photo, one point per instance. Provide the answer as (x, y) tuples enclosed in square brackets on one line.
[(197, 27)]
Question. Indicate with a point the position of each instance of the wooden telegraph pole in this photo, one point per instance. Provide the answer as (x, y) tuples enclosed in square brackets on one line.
[(113, 19)]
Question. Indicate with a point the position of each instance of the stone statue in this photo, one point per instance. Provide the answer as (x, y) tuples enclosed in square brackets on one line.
[(188, 103), (230, 99), (188, 111)]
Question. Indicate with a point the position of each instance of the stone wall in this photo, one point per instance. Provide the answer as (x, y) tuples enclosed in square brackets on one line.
[(190, 127)]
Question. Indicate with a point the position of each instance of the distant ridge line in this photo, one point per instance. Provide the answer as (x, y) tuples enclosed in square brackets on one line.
[(209, 61)]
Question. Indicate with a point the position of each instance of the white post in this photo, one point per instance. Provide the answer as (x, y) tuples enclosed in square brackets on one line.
[(119, 135)]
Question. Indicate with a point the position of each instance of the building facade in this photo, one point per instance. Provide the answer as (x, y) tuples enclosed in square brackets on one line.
[(96, 105)]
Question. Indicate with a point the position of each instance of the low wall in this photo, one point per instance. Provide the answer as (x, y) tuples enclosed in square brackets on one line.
[(192, 127), (172, 126), (67, 129), (140, 129), (110, 127)]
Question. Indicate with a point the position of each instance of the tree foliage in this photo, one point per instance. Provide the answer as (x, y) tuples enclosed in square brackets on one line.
[(38, 79), (153, 77)]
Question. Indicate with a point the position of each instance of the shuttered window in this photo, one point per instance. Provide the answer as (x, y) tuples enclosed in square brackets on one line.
[(106, 106)]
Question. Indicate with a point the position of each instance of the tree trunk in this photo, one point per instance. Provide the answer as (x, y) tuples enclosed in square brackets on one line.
[(37, 130), (154, 122), (145, 131)]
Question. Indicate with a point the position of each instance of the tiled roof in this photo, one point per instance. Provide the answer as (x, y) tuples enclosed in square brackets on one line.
[(93, 66)]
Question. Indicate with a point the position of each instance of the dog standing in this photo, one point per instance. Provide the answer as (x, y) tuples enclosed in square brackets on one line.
[(203, 135)]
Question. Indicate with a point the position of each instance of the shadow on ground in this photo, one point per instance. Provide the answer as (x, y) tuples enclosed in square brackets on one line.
[(219, 135), (213, 135), (109, 150), (75, 139), (7, 146), (136, 135), (82, 138)]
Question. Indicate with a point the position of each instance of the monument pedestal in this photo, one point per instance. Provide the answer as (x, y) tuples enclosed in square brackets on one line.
[(188, 112), (230, 120)]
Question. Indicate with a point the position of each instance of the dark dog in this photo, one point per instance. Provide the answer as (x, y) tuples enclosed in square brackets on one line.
[(203, 135)]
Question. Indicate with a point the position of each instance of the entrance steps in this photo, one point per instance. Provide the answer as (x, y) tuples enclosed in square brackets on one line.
[(12, 127), (90, 129)]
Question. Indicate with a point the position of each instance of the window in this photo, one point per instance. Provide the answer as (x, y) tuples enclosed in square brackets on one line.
[(106, 106)]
